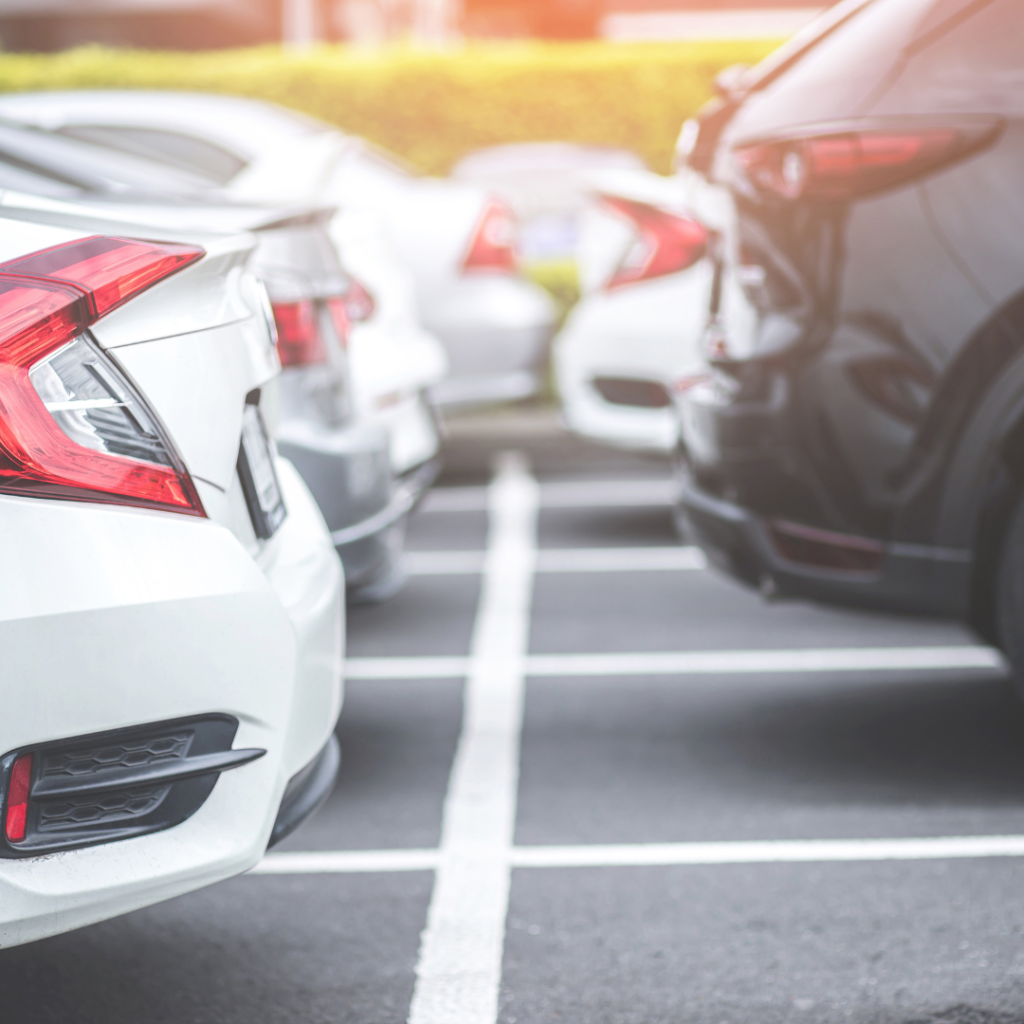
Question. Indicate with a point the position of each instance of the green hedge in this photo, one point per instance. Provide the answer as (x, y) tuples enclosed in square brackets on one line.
[(432, 108)]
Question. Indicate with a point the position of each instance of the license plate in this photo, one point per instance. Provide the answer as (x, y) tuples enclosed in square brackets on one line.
[(259, 480)]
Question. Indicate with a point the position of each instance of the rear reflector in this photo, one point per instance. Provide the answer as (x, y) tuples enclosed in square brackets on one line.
[(822, 549), (17, 798), (71, 424), (841, 163), (666, 243), (494, 241), (299, 342)]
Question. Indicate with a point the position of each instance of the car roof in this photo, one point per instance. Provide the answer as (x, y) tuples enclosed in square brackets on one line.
[(248, 126), (545, 156)]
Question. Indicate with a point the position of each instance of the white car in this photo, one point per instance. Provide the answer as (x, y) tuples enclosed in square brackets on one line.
[(456, 240), (547, 185), (171, 612), (395, 362), (343, 454), (633, 340)]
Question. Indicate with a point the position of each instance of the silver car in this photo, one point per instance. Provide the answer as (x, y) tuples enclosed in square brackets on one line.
[(343, 459)]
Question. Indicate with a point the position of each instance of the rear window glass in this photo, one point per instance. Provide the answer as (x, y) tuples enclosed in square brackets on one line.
[(176, 149), (842, 75), (967, 59), (20, 176)]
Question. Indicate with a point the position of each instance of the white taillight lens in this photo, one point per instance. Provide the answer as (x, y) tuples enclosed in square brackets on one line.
[(95, 405), (71, 425)]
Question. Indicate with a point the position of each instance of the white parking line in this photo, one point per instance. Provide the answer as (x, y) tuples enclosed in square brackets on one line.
[(459, 970), (562, 494), (774, 851), (687, 663), (661, 559), (335, 862)]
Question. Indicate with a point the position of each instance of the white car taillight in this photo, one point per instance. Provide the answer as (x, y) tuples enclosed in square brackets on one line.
[(71, 424), (666, 243)]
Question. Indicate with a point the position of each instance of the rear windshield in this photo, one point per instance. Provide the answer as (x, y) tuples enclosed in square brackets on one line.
[(176, 149), (965, 60), (892, 57), (19, 175)]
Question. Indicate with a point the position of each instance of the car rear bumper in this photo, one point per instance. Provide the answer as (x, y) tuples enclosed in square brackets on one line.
[(588, 413), (112, 618), (784, 559), (348, 470), (496, 329), (488, 388)]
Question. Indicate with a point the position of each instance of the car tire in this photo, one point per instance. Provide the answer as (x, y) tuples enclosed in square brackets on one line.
[(1010, 597)]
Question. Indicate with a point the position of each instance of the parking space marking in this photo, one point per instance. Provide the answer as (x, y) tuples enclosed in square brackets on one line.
[(772, 851), (336, 862), (689, 663), (562, 494), (567, 560), (458, 975)]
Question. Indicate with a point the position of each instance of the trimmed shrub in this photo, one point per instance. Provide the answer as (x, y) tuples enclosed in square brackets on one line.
[(433, 107)]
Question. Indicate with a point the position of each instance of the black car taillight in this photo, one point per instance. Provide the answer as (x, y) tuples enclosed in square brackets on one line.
[(850, 160), (666, 243), (71, 423)]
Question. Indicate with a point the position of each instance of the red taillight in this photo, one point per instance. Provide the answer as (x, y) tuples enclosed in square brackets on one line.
[(109, 270), (299, 342), (71, 425), (360, 305), (494, 241), (837, 165), (17, 798), (338, 311), (666, 243), (356, 306)]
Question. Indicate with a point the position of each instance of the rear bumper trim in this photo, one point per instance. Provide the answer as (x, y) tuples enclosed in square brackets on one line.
[(307, 790), (408, 494), (921, 580)]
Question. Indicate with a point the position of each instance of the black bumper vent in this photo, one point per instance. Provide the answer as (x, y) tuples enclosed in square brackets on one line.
[(642, 394), (119, 785)]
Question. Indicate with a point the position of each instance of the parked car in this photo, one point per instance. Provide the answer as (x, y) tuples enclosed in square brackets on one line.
[(394, 361), (547, 185), (343, 456), (860, 439), (456, 240), (170, 606), (633, 339)]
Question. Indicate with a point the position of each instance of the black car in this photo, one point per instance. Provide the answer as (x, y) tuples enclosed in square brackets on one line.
[(860, 439)]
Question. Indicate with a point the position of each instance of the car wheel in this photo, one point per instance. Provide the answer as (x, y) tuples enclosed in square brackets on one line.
[(1010, 597)]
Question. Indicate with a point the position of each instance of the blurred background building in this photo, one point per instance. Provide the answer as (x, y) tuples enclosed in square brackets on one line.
[(48, 25)]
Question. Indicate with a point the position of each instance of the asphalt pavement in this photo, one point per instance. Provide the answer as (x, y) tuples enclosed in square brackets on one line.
[(669, 802)]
